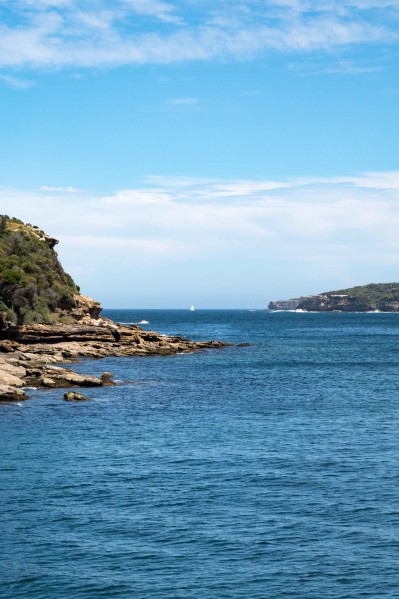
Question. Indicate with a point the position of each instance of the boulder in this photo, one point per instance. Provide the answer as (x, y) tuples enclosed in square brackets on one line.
[(47, 382), (106, 379), (6, 346), (72, 396), (86, 307)]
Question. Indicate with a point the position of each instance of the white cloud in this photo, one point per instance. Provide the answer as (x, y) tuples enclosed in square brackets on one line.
[(46, 3), (387, 180), (221, 237), (161, 10), (133, 197), (16, 82), (86, 34), (182, 101), (69, 189), (119, 245), (332, 67)]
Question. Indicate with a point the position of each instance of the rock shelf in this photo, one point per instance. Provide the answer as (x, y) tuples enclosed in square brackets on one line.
[(30, 355)]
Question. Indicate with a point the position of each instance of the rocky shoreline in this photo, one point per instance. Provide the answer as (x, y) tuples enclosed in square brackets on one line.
[(30, 355), (45, 321)]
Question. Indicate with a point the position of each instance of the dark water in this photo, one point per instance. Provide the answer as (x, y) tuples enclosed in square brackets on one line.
[(261, 472)]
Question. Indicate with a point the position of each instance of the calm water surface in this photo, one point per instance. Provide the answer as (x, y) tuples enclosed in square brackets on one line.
[(261, 472)]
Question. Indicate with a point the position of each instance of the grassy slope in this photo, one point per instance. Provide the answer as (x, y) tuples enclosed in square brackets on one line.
[(33, 284)]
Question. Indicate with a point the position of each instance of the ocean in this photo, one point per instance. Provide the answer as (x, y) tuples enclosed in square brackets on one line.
[(268, 471)]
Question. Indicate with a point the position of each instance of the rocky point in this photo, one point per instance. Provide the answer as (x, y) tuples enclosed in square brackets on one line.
[(45, 323)]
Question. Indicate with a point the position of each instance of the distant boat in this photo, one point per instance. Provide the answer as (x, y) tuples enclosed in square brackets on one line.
[(192, 308), (143, 322)]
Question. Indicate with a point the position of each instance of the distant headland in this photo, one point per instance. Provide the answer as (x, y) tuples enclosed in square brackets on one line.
[(45, 321), (374, 297)]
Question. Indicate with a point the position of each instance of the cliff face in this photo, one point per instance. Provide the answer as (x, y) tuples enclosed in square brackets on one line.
[(289, 304), (34, 288), (382, 297)]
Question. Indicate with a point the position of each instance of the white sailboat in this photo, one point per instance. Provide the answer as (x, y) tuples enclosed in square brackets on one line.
[(192, 309)]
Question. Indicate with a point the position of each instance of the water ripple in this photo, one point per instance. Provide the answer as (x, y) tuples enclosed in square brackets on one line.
[(266, 473)]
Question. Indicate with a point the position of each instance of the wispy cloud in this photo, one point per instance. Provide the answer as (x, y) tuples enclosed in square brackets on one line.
[(337, 67), (16, 82), (182, 101), (69, 189), (83, 34), (245, 188), (160, 10), (290, 236)]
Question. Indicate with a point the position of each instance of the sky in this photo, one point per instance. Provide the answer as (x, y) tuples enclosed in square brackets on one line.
[(217, 153)]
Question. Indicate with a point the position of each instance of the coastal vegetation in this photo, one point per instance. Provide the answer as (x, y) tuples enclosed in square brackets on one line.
[(34, 288), (382, 297), (371, 295)]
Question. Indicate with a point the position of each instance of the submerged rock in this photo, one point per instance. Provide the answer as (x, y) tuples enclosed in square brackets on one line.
[(106, 379), (72, 396)]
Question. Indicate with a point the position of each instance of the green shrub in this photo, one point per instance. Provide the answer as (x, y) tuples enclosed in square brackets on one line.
[(10, 277), (33, 284)]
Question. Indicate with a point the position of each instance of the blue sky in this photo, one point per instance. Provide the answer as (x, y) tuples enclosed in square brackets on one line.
[(217, 153)]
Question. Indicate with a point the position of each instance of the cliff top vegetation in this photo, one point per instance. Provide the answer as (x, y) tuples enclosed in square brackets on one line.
[(34, 288), (373, 293)]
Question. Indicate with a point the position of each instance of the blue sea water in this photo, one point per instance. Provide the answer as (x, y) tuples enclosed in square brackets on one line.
[(268, 471)]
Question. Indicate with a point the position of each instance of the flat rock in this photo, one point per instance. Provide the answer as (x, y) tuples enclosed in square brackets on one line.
[(83, 380), (66, 377), (17, 371), (42, 333), (8, 393), (31, 353), (9, 379)]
